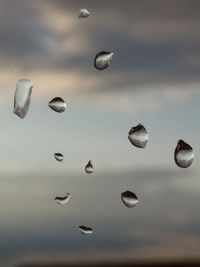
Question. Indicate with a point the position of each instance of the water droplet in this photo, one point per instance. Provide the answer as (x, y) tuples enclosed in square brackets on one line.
[(57, 104), (129, 199), (63, 200), (83, 13), (85, 230), (103, 59), (89, 167), (138, 136), (183, 154), (22, 97), (59, 157)]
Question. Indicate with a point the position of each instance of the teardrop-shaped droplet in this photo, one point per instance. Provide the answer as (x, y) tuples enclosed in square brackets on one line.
[(129, 199), (89, 167), (85, 230), (59, 157), (57, 104), (183, 154), (138, 136), (103, 59), (63, 200), (22, 97), (83, 13)]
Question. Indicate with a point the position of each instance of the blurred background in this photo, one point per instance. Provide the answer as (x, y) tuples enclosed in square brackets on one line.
[(153, 79)]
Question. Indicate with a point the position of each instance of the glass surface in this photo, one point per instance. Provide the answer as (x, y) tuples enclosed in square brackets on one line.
[(153, 80)]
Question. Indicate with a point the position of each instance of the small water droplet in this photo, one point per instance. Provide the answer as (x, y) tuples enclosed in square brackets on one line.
[(57, 104), (22, 97), (63, 200), (183, 154), (129, 199), (85, 230), (59, 157), (103, 59), (89, 167), (83, 13), (138, 136)]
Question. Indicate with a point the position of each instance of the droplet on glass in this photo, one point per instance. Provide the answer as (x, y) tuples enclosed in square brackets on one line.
[(83, 13), (57, 104), (63, 200), (59, 157), (183, 154), (103, 59), (85, 230), (89, 167), (22, 97), (138, 136), (129, 199)]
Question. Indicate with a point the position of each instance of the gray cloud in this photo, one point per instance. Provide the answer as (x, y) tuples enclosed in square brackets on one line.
[(167, 215), (154, 42)]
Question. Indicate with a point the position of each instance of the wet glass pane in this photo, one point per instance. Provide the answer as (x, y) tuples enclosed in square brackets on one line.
[(99, 112)]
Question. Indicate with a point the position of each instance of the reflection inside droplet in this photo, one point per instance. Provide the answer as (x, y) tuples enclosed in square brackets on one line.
[(59, 157), (22, 97), (103, 59), (129, 199), (183, 154), (138, 136), (63, 200), (57, 104), (89, 167), (85, 230), (83, 13)]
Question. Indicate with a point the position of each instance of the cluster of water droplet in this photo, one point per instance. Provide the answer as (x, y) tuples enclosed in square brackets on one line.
[(138, 136)]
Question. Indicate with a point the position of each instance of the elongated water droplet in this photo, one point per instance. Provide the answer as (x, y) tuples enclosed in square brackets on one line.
[(103, 59), (57, 104), (89, 167), (83, 13), (22, 97), (85, 230), (63, 200), (59, 157), (183, 154), (129, 199), (138, 136)]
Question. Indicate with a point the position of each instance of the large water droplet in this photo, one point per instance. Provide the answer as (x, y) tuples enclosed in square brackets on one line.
[(57, 104), (59, 157), (85, 230), (103, 59), (22, 97), (63, 200), (83, 13), (138, 136), (89, 167), (129, 199), (183, 154)]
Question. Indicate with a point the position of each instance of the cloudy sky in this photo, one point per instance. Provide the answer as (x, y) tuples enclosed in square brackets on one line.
[(153, 79)]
